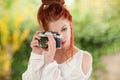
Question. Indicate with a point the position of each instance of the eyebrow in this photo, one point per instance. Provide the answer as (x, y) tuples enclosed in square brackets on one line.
[(63, 26)]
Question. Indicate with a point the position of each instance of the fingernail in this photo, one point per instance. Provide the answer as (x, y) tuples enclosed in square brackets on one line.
[(49, 35), (47, 42)]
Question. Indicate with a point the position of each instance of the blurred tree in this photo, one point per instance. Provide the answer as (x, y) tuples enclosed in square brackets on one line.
[(10, 42), (13, 31), (97, 27)]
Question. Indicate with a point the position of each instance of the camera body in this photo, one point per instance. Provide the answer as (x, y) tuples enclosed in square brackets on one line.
[(44, 39)]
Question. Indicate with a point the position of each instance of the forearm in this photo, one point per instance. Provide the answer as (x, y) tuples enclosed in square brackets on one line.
[(37, 70), (35, 65), (51, 72)]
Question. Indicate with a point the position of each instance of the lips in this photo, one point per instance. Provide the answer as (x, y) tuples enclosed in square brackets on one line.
[(63, 42)]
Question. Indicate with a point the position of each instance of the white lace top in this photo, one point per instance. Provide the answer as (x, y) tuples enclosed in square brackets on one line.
[(71, 70)]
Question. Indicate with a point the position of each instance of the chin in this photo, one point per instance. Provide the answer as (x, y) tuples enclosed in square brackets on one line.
[(65, 47)]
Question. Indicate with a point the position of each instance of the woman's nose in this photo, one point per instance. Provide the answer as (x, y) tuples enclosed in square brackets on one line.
[(59, 32)]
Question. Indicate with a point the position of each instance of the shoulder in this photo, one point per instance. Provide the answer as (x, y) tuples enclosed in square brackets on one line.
[(86, 62)]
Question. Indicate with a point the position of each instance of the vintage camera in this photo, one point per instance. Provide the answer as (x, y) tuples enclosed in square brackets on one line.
[(44, 39)]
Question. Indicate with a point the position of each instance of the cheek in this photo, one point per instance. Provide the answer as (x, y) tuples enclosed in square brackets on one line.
[(67, 35)]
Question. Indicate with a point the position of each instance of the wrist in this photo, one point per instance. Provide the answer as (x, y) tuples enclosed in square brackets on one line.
[(36, 52), (49, 61)]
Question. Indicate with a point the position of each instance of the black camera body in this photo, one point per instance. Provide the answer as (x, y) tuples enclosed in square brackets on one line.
[(44, 39)]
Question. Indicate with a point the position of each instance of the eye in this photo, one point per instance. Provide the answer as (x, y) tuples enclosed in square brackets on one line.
[(64, 29)]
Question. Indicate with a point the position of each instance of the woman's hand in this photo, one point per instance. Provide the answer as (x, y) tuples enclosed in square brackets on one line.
[(50, 52), (35, 43)]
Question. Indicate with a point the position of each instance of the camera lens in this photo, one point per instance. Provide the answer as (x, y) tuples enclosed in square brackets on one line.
[(43, 41)]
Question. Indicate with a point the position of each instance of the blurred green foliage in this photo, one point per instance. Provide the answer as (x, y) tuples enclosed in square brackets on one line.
[(96, 29), (15, 26)]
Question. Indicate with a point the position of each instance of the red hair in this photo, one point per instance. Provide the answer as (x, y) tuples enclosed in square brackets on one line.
[(52, 10)]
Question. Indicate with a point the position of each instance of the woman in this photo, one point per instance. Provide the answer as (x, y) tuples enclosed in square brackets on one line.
[(67, 63)]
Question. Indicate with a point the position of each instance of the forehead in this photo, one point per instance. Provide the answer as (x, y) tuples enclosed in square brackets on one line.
[(58, 24)]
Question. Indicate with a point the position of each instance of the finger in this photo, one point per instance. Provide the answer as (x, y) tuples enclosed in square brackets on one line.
[(51, 51), (53, 42), (34, 43), (51, 38), (51, 48), (36, 37)]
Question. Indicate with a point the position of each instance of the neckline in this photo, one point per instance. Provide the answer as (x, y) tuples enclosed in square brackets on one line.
[(68, 60)]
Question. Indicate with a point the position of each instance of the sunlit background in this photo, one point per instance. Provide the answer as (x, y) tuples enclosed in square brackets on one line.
[(96, 29)]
